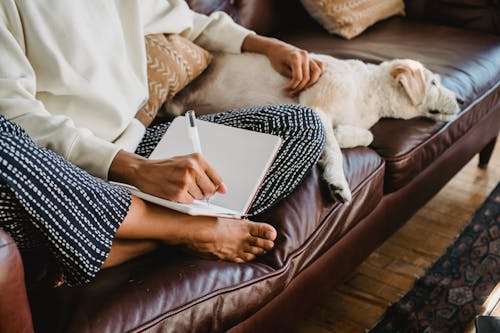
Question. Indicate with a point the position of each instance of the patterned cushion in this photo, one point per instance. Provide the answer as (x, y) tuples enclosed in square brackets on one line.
[(349, 18), (173, 62)]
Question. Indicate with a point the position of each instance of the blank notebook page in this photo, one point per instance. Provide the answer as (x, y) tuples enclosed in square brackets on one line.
[(241, 157)]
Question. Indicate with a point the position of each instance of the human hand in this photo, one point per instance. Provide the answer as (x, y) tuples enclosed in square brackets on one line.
[(181, 179), (296, 64), (288, 60)]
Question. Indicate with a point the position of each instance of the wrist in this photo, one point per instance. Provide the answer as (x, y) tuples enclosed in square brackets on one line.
[(125, 167)]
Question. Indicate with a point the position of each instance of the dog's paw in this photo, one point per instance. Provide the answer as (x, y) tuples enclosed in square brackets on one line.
[(366, 138), (342, 194), (350, 136), (339, 189)]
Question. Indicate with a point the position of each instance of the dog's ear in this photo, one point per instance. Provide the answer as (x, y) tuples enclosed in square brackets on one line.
[(411, 76)]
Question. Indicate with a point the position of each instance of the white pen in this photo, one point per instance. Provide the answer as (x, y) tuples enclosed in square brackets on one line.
[(193, 131), (193, 135)]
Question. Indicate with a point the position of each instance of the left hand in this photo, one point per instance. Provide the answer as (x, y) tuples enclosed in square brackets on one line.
[(296, 64), (287, 60)]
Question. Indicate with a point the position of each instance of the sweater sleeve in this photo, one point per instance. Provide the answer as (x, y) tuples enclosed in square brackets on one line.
[(18, 102), (216, 32)]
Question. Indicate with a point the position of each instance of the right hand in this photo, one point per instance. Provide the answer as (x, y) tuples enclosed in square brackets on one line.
[(181, 179)]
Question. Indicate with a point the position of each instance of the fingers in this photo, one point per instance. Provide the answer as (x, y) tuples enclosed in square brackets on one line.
[(181, 179), (316, 71), (320, 64), (205, 180), (296, 60), (195, 192), (190, 178), (206, 187), (305, 72), (214, 178), (209, 179)]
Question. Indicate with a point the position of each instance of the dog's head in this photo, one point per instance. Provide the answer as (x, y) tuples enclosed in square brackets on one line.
[(425, 94)]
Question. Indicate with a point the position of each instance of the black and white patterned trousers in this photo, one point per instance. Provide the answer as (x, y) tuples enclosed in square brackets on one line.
[(46, 202), (303, 137)]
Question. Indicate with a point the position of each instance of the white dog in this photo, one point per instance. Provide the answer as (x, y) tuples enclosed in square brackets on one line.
[(349, 97)]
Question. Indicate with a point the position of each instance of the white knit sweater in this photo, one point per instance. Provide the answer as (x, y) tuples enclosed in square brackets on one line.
[(73, 72)]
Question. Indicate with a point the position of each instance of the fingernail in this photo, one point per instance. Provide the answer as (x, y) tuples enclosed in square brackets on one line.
[(223, 187)]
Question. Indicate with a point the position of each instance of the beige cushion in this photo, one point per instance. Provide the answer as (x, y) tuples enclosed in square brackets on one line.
[(173, 62), (349, 18)]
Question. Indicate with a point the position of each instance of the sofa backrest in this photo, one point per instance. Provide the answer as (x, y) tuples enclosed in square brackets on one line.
[(271, 16), (263, 16), (481, 15), (253, 14)]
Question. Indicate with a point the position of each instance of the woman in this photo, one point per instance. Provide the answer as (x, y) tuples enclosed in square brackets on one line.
[(72, 74)]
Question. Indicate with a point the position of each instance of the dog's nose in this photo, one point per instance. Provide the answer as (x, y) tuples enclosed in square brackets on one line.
[(433, 111), (460, 101)]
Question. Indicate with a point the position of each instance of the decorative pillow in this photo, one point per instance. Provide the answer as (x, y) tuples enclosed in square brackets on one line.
[(173, 62), (349, 18)]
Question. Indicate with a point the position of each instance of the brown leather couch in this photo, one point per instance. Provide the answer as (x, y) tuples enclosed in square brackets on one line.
[(320, 241)]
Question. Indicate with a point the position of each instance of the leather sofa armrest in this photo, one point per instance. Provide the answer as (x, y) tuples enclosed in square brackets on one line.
[(15, 314), (483, 15)]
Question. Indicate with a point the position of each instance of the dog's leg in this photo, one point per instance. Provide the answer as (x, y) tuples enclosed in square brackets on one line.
[(331, 161), (350, 136)]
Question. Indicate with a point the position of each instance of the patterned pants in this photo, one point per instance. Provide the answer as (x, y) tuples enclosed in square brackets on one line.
[(46, 202)]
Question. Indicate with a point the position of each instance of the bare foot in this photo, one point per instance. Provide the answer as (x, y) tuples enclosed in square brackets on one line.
[(228, 239)]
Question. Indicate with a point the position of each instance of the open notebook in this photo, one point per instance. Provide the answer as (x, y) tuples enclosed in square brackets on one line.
[(241, 157)]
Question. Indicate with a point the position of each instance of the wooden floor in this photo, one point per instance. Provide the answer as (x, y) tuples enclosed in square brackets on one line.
[(390, 271)]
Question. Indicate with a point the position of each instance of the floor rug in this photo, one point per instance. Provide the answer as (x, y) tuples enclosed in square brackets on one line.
[(450, 293)]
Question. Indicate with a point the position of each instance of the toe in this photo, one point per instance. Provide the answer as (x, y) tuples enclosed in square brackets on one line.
[(262, 243), (255, 250), (247, 256), (263, 230), (238, 260)]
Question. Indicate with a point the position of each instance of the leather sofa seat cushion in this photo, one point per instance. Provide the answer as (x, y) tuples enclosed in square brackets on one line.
[(171, 288), (468, 62)]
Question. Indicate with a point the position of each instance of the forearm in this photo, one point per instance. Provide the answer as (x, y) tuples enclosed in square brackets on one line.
[(259, 44)]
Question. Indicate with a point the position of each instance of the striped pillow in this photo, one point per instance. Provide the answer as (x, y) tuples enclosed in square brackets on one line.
[(349, 18), (173, 62)]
